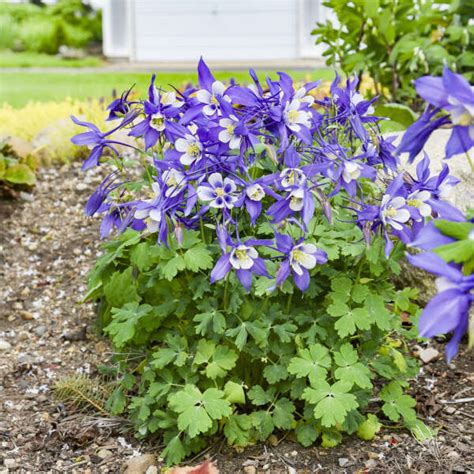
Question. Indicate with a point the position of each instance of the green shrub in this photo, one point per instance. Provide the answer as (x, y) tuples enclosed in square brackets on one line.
[(44, 29), (43, 35), (8, 32), (398, 41)]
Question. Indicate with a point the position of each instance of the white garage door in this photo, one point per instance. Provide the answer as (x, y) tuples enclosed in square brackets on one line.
[(179, 30)]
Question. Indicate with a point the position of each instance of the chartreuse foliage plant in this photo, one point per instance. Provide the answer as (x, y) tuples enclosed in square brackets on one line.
[(248, 289)]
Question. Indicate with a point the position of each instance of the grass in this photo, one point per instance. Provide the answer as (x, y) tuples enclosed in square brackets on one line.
[(29, 59), (19, 88)]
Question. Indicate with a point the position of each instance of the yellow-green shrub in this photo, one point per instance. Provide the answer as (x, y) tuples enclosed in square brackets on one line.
[(48, 127)]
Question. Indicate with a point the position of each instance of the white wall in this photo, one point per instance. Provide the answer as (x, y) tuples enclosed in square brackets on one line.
[(182, 30)]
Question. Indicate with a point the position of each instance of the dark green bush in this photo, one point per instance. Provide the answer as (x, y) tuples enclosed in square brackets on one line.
[(43, 29), (398, 41)]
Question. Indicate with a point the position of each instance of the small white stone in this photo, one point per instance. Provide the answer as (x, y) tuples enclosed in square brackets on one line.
[(342, 461), (10, 463), (4, 345), (428, 354)]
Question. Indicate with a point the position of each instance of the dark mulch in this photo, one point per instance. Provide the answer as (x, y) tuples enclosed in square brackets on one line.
[(47, 246)]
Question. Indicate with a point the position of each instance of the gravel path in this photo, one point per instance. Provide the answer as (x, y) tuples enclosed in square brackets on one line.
[(47, 246)]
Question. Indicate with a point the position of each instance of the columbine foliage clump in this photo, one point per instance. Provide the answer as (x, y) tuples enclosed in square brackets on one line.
[(249, 289)]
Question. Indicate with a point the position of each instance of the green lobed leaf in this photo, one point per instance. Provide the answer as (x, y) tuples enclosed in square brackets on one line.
[(350, 370), (312, 363), (197, 410), (332, 402)]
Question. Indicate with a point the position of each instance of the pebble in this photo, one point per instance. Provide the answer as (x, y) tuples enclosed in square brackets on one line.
[(453, 455), (152, 470), (10, 463), (26, 315), (429, 354), (250, 470), (342, 461), (104, 453), (40, 331), (139, 464), (27, 196), (4, 345), (450, 410)]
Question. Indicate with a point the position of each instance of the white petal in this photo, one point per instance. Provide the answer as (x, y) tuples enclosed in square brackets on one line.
[(403, 215), (203, 96), (397, 202), (215, 179), (181, 144), (218, 88), (225, 136)]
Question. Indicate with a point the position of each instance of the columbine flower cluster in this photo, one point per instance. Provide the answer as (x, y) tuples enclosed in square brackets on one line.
[(254, 165)]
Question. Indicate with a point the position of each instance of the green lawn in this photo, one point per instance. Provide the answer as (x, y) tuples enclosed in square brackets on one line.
[(18, 88), (28, 59)]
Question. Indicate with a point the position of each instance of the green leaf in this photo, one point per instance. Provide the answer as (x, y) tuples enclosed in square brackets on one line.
[(121, 289), (198, 258), (116, 402), (283, 414), (275, 373), (174, 451), (350, 370), (259, 397), (331, 438), (337, 309), (238, 430), (306, 434), (419, 430), (219, 360), (456, 230), (378, 312), (458, 252), (369, 428), (263, 423), (175, 353), (171, 268), (144, 255), (20, 174), (397, 403), (359, 293), (400, 117), (212, 319), (197, 410), (125, 322), (332, 402), (312, 363), (234, 392)]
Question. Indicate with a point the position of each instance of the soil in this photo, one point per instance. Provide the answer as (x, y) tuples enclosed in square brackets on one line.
[(47, 246)]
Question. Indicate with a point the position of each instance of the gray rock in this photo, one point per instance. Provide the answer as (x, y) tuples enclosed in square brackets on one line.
[(40, 331), (427, 355), (139, 464), (4, 345)]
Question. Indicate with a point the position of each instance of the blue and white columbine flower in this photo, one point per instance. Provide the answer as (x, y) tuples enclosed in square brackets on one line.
[(393, 211), (227, 135), (294, 117), (219, 193), (190, 148), (418, 201), (149, 211), (292, 177)]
